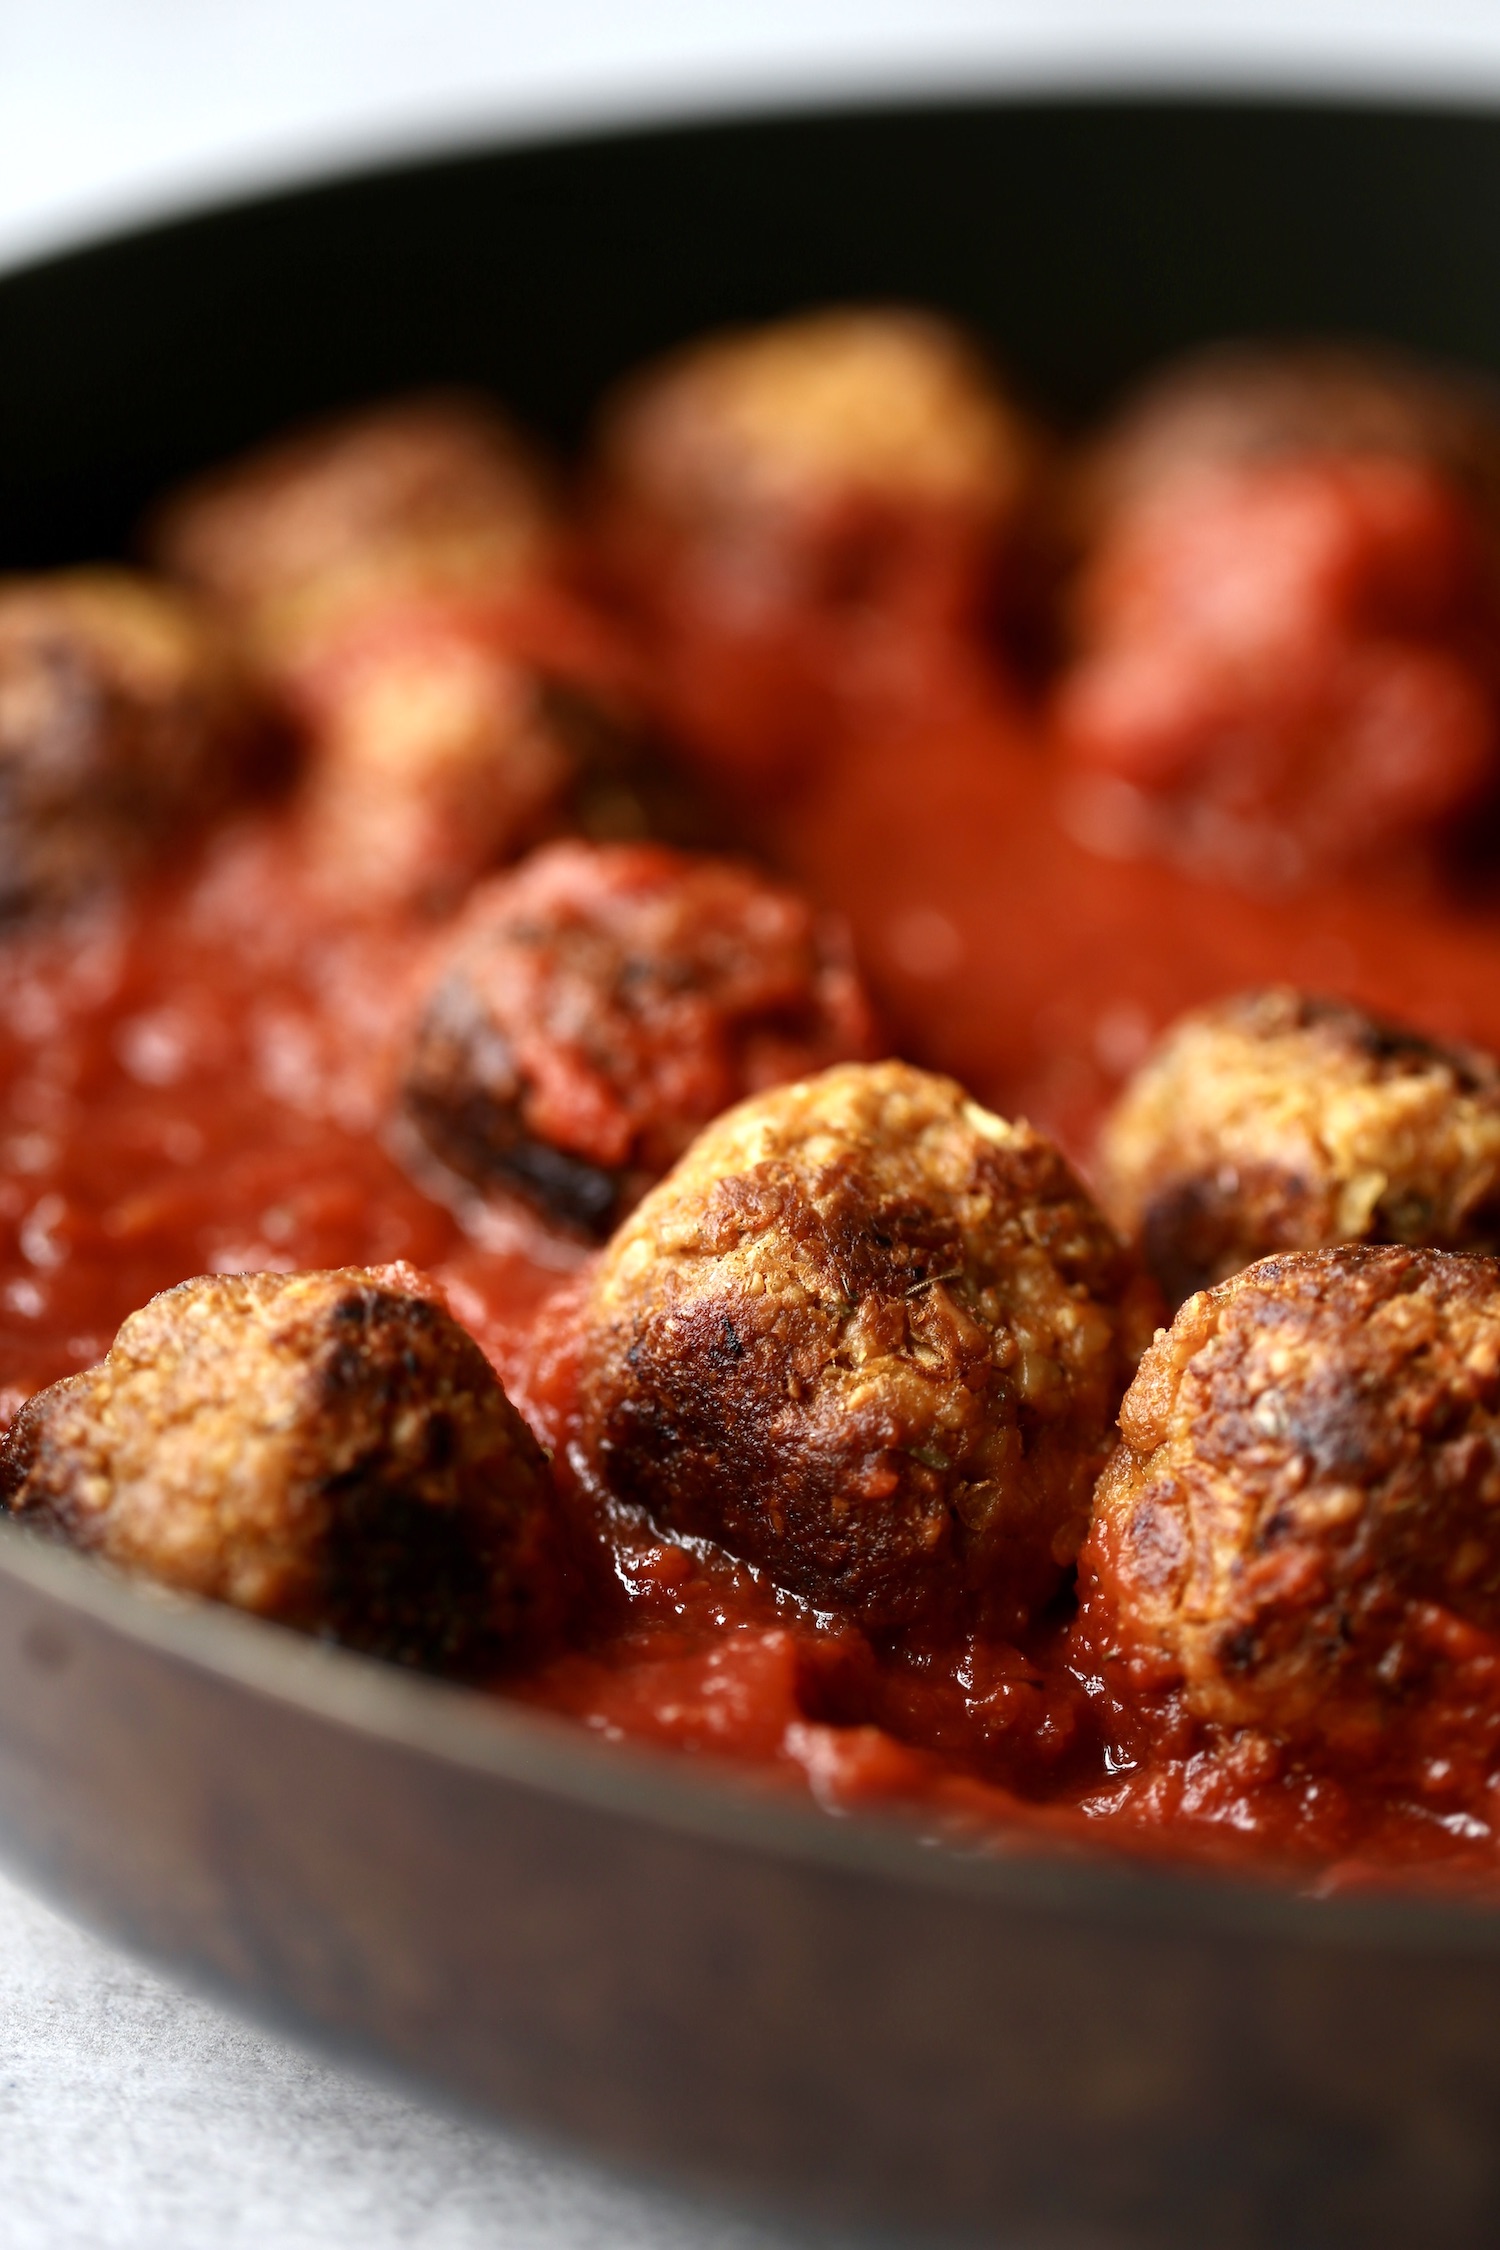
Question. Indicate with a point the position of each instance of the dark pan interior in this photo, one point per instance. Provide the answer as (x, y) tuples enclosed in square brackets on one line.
[(1052, 2056), (1084, 238)]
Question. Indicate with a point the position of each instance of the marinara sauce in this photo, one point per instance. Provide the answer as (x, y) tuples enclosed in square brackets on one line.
[(197, 1077)]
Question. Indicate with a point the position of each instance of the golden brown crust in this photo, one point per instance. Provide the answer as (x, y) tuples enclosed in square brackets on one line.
[(327, 1449), (433, 494), (123, 718), (1278, 1121), (601, 1004), (1310, 1463), (871, 1338)]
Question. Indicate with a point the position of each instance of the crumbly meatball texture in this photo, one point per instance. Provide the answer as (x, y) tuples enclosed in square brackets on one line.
[(122, 718), (1278, 1121), (1308, 1483), (870, 1338), (601, 1004), (432, 494), (330, 1450)]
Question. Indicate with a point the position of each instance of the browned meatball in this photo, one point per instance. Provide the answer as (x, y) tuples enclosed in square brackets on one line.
[(122, 718), (434, 495), (872, 1339), (1276, 1121), (779, 502), (394, 575), (1283, 666), (1305, 1506), (602, 1003), (327, 1449)]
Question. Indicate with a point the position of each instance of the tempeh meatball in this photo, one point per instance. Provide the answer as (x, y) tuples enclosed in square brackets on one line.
[(384, 570), (330, 1450), (599, 1005), (122, 720), (1277, 1121), (1304, 1513), (778, 502), (870, 1338), (1283, 623), (434, 495)]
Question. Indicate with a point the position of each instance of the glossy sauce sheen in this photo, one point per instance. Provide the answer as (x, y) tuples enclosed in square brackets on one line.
[(196, 1079)]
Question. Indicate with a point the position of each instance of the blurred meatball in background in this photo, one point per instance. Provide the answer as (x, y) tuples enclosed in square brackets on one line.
[(433, 495), (394, 574), (1283, 619), (599, 1005), (330, 1450), (1278, 1121), (872, 1339), (1302, 1524), (124, 720), (805, 508)]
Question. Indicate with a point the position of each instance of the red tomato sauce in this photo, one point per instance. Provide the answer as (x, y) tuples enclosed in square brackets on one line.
[(197, 1079)]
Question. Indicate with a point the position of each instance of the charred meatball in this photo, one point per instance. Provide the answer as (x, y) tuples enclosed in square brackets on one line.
[(122, 719), (327, 1449), (434, 496), (778, 502), (1276, 1121), (601, 1004), (872, 1339), (1307, 1495), (1284, 618)]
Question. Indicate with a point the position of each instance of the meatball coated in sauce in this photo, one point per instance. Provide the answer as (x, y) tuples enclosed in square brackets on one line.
[(872, 1339), (330, 1450), (383, 570), (123, 720), (779, 502), (1277, 1121), (1304, 1512), (1283, 620), (602, 1003)]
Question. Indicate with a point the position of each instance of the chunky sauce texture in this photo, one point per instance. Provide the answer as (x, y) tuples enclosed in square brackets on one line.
[(196, 1078)]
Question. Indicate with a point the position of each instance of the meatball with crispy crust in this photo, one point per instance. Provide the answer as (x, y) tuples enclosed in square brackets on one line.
[(599, 1005), (123, 719), (1277, 1121), (433, 495), (870, 1338), (1304, 1512), (1283, 622), (330, 1450), (777, 502)]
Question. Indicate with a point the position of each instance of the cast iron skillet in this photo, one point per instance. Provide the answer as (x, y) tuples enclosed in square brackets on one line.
[(678, 1970)]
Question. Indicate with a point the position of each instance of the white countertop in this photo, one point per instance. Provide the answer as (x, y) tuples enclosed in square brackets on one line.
[(133, 2117)]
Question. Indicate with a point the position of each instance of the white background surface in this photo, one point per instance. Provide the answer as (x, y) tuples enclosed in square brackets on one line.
[(132, 2117)]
